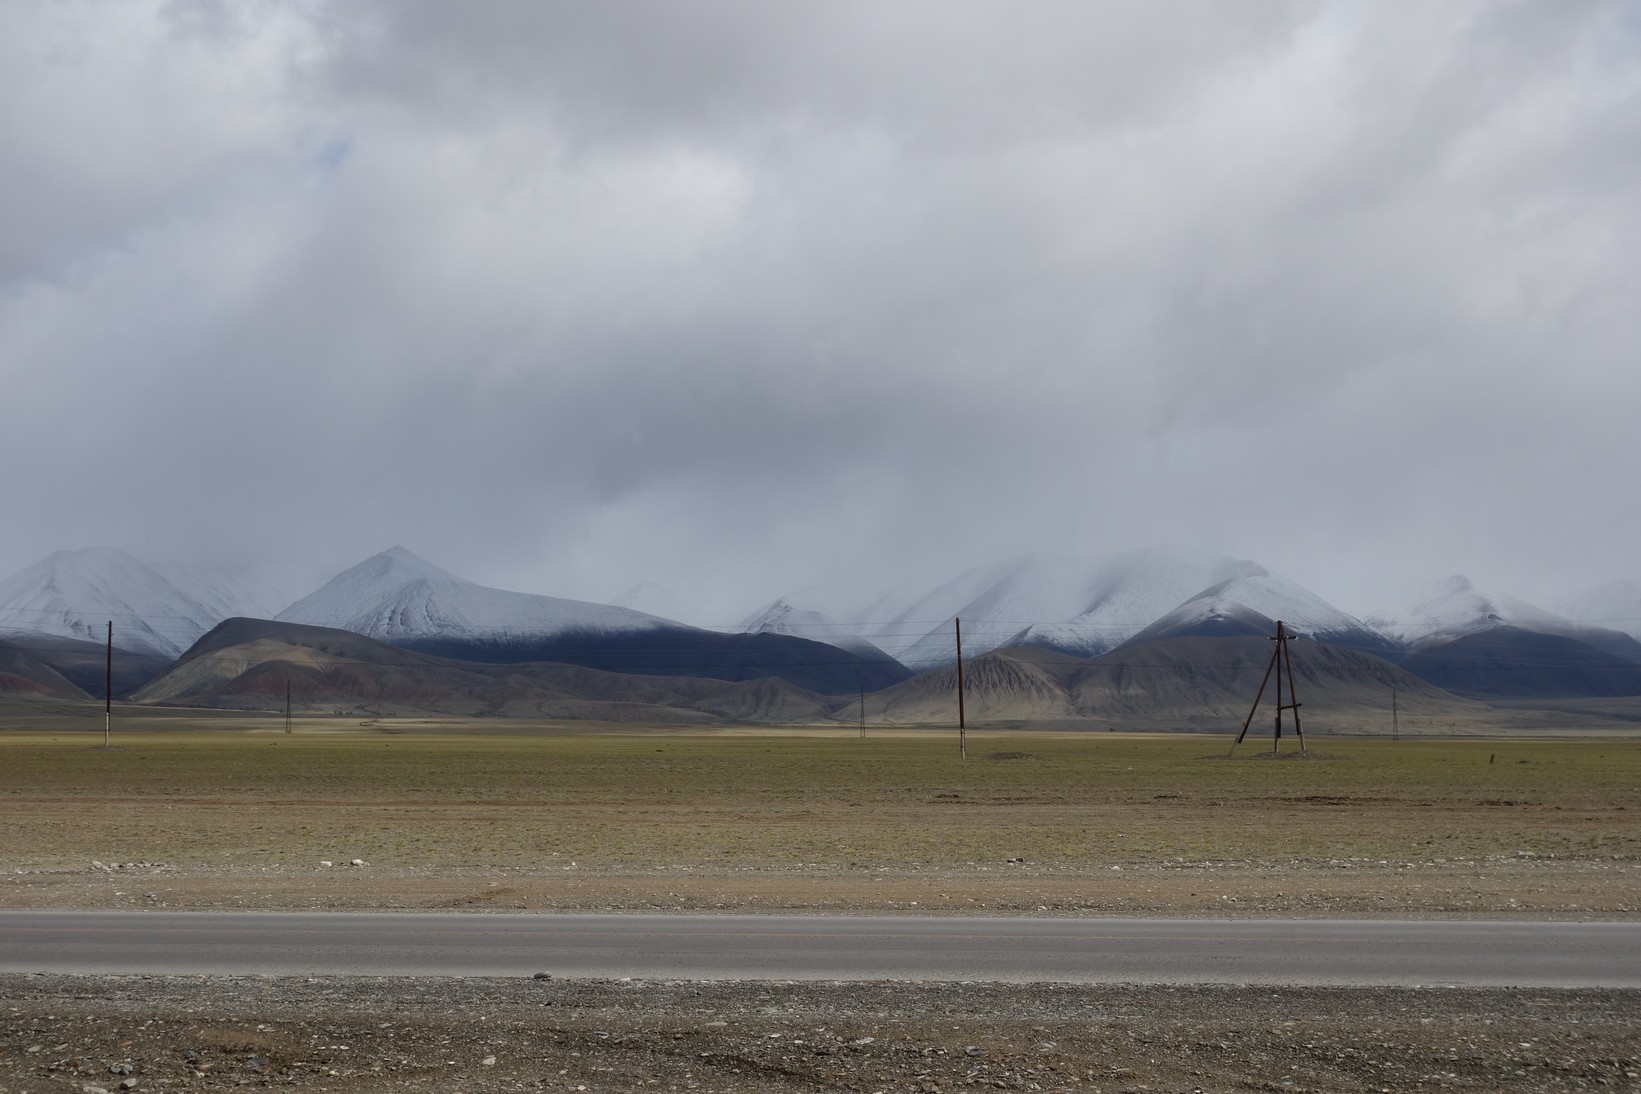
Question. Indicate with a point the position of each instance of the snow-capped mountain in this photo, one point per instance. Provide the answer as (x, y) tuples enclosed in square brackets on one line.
[(1615, 605), (1456, 606), (1479, 642), (397, 597), (783, 617), (76, 594), (401, 599), (1253, 602), (1077, 604)]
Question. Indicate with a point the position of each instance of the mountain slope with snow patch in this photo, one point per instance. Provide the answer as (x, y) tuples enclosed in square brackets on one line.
[(399, 598), (76, 594), (1253, 603), (1457, 606), (783, 617), (1080, 605), (395, 596)]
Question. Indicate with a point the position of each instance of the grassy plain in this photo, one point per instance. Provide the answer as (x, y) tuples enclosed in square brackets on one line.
[(758, 799)]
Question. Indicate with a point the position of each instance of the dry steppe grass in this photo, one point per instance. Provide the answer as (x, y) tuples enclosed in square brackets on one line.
[(449, 814)]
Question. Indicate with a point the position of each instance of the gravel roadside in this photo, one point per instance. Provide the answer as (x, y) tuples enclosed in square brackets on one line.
[(91, 1034)]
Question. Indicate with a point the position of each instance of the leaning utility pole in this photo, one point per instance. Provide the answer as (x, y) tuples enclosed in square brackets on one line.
[(1281, 659), (962, 722)]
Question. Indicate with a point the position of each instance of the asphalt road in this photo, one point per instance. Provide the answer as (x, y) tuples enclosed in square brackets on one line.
[(1376, 952)]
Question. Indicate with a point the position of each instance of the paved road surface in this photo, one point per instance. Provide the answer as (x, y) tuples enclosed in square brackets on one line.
[(828, 947)]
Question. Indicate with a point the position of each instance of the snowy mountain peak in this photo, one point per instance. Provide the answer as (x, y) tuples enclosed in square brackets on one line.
[(397, 596), (76, 594), (366, 590), (783, 617), (398, 563), (1456, 606), (1074, 603), (1253, 603)]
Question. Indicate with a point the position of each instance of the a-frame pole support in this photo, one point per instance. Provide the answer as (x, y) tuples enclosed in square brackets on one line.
[(1281, 661)]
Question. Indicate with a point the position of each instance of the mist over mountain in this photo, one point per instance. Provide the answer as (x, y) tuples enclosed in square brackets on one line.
[(226, 592), (652, 598), (1087, 606), (784, 617), (76, 594), (1467, 639), (1252, 603), (1480, 642), (1456, 606), (1614, 605), (399, 598)]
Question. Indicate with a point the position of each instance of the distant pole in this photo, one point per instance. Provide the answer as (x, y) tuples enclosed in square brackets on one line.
[(108, 686), (962, 720), (1395, 718), (287, 706)]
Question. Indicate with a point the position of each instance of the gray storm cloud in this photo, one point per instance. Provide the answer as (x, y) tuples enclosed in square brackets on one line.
[(743, 297)]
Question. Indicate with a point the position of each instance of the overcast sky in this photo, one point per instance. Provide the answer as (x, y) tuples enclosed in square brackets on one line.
[(742, 297)]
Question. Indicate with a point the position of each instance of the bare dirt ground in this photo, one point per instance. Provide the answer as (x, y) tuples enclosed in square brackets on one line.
[(1500, 886)]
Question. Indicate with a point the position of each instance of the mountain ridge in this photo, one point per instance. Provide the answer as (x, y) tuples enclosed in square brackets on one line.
[(1084, 606), (249, 664)]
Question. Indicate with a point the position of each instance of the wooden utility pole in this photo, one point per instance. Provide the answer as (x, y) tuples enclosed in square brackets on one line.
[(1395, 718), (863, 711), (108, 686), (1281, 660), (962, 721), (287, 706)]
